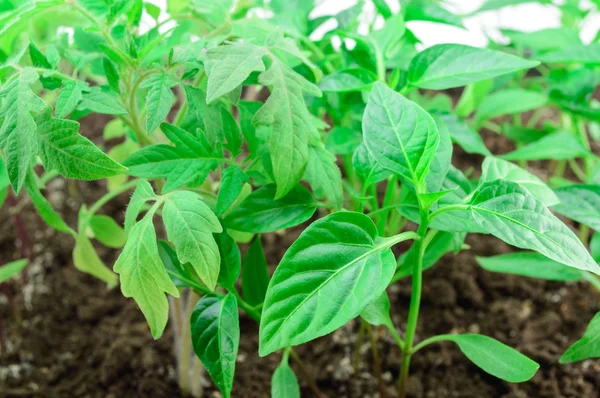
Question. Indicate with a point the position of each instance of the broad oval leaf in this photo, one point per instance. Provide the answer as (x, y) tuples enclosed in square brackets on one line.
[(463, 135), (586, 347), (284, 383), (400, 135), (328, 276), (446, 66), (530, 264), (215, 329), (557, 146), (580, 203), (261, 213), (509, 101)]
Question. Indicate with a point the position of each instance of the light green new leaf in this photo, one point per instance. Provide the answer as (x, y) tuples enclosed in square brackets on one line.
[(86, 260), (158, 100), (292, 124), (337, 267), (284, 383), (509, 101), (454, 65), (575, 54), (107, 231), (260, 212), (378, 312), (557, 146), (143, 275), (142, 194), (63, 149), (255, 275), (190, 224), (215, 332), (48, 214), (229, 65), (498, 169), (494, 357), (191, 159), (232, 181), (348, 80), (586, 347), (99, 101), (463, 135), (509, 212), (366, 167), (530, 264), (17, 131), (400, 135), (580, 203), (324, 175), (11, 269), (69, 97)]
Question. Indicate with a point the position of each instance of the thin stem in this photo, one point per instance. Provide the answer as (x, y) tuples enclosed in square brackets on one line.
[(386, 209), (592, 279), (445, 209), (359, 341), (584, 234), (250, 310), (577, 170), (430, 340), (396, 337)]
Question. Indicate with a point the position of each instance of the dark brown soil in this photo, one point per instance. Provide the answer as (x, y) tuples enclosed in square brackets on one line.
[(66, 335)]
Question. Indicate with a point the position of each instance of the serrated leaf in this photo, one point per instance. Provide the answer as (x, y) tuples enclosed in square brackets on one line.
[(400, 135), (284, 383), (255, 275), (557, 146), (586, 347), (190, 224), (11, 269), (143, 276), (99, 101), (496, 169), (446, 66), (112, 76), (63, 149), (86, 260), (232, 181), (232, 134), (327, 277), (158, 100), (324, 175), (69, 97), (530, 264), (142, 194), (580, 203), (191, 159), (107, 231), (17, 132), (260, 212), (215, 337)]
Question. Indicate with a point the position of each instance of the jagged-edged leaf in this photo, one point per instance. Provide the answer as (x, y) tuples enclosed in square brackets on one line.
[(231, 260), (494, 357), (190, 225), (530, 264), (509, 212), (445, 66), (324, 175), (575, 54), (284, 383), (70, 96), (99, 101), (232, 181), (495, 169), (143, 276), (580, 203), (159, 100), (204, 117), (348, 80), (17, 132), (63, 149), (86, 260), (337, 267), (557, 146), (260, 212), (215, 332), (107, 231), (255, 275), (508, 102), (400, 135), (11, 269), (366, 167), (586, 347), (463, 135), (191, 159), (48, 214), (142, 194)]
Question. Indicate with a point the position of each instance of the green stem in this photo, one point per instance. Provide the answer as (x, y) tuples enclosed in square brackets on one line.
[(250, 310), (577, 170), (431, 340), (584, 234)]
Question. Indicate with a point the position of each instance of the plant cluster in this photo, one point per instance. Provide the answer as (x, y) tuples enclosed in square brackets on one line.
[(227, 126)]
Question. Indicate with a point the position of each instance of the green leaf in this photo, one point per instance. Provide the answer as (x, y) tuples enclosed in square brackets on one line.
[(142, 194), (327, 277), (260, 212), (232, 134), (48, 214), (158, 100), (112, 76), (498, 169), (510, 213), (17, 132), (143, 275), (231, 260), (595, 247), (11, 269), (228, 66), (446, 66), (232, 181), (107, 231), (190, 224), (509, 101), (544, 39), (324, 175), (530, 264), (348, 80), (575, 54), (63, 149), (586, 347), (215, 332), (182, 275), (255, 275), (366, 167), (70, 96), (378, 312), (343, 140), (400, 135), (86, 260), (99, 101), (494, 357), (424, 10), (191, 159), (440, 244), (440, 164), (490, 5), (557, 146), (580, 203), (284, 383), (292, 124), (472, 96), (463, 135), (38, 59)]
